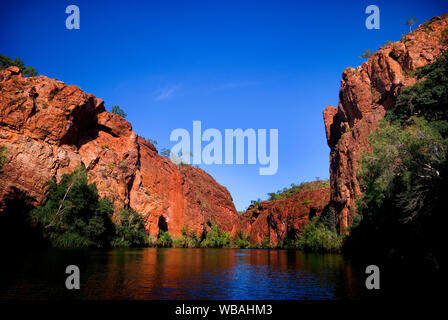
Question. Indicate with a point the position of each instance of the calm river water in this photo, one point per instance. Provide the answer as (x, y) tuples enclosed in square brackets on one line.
[(156, 273)]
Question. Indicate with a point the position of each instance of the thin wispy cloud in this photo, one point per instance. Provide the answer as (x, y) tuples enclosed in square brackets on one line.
[(166, 93)]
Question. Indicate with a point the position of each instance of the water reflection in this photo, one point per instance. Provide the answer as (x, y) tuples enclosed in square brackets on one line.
[(153, 273)]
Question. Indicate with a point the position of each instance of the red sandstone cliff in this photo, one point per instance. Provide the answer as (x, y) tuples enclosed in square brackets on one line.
[(49, 128), (276, 218), (366, 93)]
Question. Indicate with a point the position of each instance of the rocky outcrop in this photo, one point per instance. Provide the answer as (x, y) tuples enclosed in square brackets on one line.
[(285, 217), (49, 128), (366, 93)]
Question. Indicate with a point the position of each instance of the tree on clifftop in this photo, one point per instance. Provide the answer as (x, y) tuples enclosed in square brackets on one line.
[(118, 111), (410, 22), (366, 54), (6, 62)]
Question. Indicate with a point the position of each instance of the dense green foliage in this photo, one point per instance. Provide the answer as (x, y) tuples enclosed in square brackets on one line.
[(164, 239), (118, 111), (404, 176), (265, 243), (130, 229), (428, 98), (286, 193), (316, 236), (216, 238), (241, 240), (255, 203), (187, 240), (74, 215), (5, 62)]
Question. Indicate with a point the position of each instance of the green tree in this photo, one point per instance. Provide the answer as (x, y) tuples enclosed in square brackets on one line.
[(215, 238), (153, 141), (410, 22), (428, 98), (74, 215), (241, 240), (366, 54), (5, 62), (186, 239), (265, 243), (255, 203), (130, 229), (118, 111), (404, 179), (317, 237), (164, 239)]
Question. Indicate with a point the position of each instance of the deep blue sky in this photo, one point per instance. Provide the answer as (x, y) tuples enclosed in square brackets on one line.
[(230, 64)]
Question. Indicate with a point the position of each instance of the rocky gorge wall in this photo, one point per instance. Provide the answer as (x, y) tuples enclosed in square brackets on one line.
[(366, 93), (49, 128), (276, 220)]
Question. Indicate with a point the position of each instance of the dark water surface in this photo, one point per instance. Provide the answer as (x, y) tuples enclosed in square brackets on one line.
[(156, 273)]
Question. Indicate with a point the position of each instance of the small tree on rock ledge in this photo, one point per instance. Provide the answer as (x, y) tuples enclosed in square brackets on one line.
[(118, 111)]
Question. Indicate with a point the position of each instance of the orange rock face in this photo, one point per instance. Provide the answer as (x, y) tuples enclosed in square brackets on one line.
[(366, 93), (278, 218), (49, 128)]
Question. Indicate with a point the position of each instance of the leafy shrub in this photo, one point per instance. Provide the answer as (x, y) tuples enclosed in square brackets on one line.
[(444, 36), (290, 243), (164, 240), (130, 229), (187, 240), (241, 240), (403, 178), (255, 203), (152, 141), (165, 152), (366, 54), (265, 243), (216, 238), (123, 164), (428, 98), (5, 62), (317, 237)]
